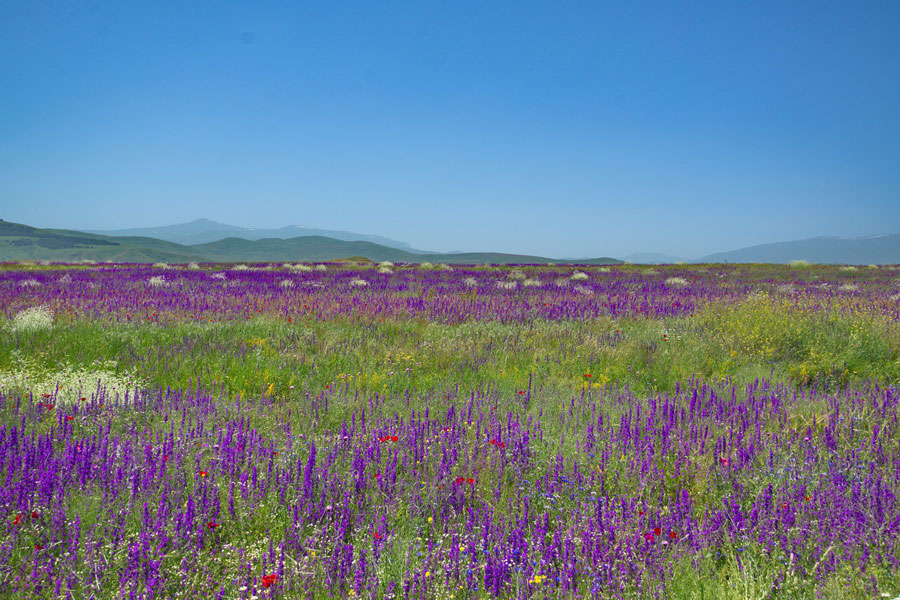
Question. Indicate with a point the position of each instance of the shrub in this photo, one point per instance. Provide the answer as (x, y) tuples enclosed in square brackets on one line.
[(357, 282), (157, 281), (676, 282), (579, 276), (37, 318)]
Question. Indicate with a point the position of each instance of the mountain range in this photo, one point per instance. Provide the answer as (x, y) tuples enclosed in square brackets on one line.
[(202, 231), (23, 242), (205, 240)]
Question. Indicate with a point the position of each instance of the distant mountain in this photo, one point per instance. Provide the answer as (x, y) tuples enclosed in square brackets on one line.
[(876, 249), (202, 231), (653, 258), (22, 242)]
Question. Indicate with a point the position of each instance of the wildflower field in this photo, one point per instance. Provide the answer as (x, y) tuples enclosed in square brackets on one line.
[(417, 431)]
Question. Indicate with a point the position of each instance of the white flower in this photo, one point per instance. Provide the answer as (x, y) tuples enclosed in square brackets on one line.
[(357, 282), (193, 266), (286, 283), (36, 318), (321, 267), (676, 282), (579, 276), (157, 281)]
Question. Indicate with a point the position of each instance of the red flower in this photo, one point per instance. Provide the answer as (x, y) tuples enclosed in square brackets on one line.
[(269, 580), (17, 519), (203, 473), (377, 474), (69, 417), (521, 392), (84, 399), (327, 387), (35, 514), (657, 531), (588, 375), (212, 525), (38, 546), (470, 481), (673, 535), (724, 461), (648, 536), (377, 535)]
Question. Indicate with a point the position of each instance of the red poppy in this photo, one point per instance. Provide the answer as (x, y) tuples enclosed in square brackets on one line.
[(657, 531), (724, 461), (377, 535), (203, 473), (648, 536), (38, 546), (377, 474), (17, 519), (641, 513), (393, 438), (470, 481), (35, 514), (327, 387), (673, 535), (69, 417), (521, 392), (269, 580), (84, 399), (212, 525), (588, 375)]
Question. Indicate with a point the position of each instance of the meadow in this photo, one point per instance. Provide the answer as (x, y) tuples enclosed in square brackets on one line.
[(390, 431)]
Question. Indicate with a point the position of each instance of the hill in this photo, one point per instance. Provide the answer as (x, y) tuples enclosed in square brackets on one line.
[(22, 242), (204, 231), (877, 249)]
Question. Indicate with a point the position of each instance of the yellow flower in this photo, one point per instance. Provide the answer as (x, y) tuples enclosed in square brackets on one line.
[(270, 389), (430, 520)]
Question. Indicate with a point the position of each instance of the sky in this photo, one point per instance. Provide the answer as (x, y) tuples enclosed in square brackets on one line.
[(561, 129)]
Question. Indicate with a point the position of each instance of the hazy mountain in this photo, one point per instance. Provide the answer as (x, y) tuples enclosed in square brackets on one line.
[(202, 231), (22, 242), (876, 249)]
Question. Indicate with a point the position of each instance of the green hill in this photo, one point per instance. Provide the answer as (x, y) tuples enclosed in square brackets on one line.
[(22, 242)]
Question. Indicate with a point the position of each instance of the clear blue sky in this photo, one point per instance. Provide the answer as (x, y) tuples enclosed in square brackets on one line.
[(554, 128)]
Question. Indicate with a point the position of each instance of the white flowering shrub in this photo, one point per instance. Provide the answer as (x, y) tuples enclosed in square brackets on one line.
[(64, 280), (300, 267), (385, 270), (36, 318), (584, 290), (444, 267), (321, 268), (193, 266), (531, 283), (676, 282), (357, 282), (561, 282), (240, 268), (385, 263), (157, 281), (29, 283), (286, 283), (849, 287), (68, 384), (218, 276), (470, 282), (516, 274), (799, 263), (427, 265), (579, 276), (848, 268), (160, 265), (507, 285), (604, 270)]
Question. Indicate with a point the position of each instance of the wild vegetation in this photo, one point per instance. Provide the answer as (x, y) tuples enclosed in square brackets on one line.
[(424, 431)]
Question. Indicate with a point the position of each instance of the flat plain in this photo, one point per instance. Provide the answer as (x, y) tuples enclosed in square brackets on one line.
[(425, 431)]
